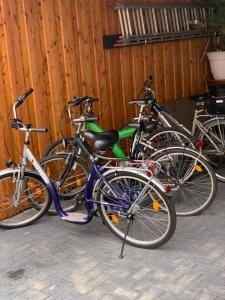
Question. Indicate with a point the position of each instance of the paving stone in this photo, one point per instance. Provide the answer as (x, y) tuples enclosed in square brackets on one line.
[(55, 260)]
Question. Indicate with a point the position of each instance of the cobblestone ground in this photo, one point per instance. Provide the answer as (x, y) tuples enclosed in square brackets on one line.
[(57, 260)]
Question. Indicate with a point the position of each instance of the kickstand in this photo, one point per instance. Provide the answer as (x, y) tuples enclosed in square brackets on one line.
[(125, 237)]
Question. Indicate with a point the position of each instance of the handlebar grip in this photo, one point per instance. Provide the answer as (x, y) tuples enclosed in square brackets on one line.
[(21, 99), (42, 130), (27, 93), (91, 119)]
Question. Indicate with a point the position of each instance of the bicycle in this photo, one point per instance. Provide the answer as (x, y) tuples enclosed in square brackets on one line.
[(208, 128), (173, 162), (128, 201)]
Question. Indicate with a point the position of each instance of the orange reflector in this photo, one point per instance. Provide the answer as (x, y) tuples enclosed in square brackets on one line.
[(198, 168), (48, 171), (115, 219), (78, 182), (155, 205), (31, 184)]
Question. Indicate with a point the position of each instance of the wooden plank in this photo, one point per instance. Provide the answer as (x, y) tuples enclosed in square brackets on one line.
[(138, 73), (98, 20), (160, 72), (194, 65), (6, 136), (127, 71), (178, 70), (16, 69), (46, 78), (56, 72), (169, 71), (186, 68), (6, 96), (38, 108), (70, 47)]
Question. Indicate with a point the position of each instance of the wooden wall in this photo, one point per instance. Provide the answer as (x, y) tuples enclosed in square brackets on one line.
[(55, 46)]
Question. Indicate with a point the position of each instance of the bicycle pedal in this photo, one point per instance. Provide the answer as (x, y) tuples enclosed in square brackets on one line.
[(75, 217)]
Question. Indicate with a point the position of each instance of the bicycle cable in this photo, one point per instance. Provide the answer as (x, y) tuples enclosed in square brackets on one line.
[(4, 129)]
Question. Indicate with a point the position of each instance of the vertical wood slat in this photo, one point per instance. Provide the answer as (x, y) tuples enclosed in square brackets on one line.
[(56, 47)]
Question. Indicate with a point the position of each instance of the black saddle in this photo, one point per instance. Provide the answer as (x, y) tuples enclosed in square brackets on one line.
[(102, 140)]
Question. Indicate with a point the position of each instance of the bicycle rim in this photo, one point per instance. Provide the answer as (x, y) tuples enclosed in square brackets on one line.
[(33, 194), (153, 222), (192, 179)]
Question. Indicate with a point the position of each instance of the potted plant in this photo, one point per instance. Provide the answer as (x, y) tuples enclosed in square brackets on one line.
[(217, 22)]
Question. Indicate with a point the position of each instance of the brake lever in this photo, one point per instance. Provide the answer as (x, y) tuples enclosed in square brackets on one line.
[(16, 123)]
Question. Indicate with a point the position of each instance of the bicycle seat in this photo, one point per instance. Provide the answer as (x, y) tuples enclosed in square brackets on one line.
[(102, 140)]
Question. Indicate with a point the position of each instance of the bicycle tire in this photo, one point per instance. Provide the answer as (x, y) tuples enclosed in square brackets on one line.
[(71, 189), (26, 212), (195, 180), (61, 145), (218, 160), (109, 213), (171, 136)]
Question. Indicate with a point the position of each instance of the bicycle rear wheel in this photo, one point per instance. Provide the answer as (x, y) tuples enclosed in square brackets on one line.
[(153, 216), (192, 179), (216, 130), (61, 145), (33, 202), (168, 137)]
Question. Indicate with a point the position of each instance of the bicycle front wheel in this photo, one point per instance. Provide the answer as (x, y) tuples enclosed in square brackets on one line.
[(192, 180), (32, 202), (153, 220), (69, 174)]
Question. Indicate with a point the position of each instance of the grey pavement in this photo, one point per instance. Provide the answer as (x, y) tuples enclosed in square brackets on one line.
[(55, 260)]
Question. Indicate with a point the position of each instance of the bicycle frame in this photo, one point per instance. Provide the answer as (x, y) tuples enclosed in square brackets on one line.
[(95, 171), (123, 203), (28, 156)]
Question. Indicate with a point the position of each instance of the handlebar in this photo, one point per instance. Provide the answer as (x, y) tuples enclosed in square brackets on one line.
[(84, 103), (85, 119), (80, 100), (21, 99), (17, 123)]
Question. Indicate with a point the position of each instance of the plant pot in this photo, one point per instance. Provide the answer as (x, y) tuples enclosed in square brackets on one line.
[(217, 64)]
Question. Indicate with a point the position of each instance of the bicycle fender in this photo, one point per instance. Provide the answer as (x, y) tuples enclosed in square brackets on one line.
[(7, 171), (180, 148)]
